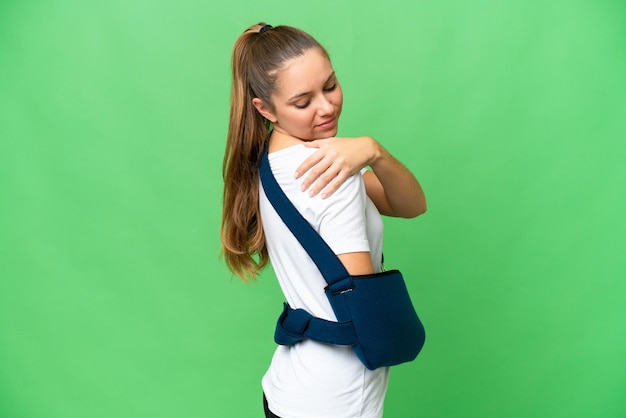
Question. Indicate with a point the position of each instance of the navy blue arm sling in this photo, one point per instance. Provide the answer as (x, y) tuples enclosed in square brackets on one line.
[(374, 312)]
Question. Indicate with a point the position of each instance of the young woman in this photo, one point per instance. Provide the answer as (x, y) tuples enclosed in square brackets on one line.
[(285, 92)]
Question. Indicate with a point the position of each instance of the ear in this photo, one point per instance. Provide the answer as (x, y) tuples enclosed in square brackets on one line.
[(264, 110)]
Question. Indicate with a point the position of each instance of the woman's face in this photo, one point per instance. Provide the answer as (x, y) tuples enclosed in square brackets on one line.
[(308, 98)]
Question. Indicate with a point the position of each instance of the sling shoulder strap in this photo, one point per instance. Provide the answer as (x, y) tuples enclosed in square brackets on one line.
[(322, 255)]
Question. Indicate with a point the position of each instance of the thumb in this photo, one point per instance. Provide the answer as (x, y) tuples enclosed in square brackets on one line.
[(318, 143), (313, 144)]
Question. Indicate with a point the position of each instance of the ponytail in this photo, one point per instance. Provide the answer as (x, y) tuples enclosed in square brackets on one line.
[(256, 59)]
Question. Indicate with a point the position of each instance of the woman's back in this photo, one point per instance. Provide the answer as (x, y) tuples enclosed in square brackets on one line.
[(323, 380)]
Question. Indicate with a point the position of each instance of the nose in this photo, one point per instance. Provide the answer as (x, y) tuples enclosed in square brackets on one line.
[(326, 107)]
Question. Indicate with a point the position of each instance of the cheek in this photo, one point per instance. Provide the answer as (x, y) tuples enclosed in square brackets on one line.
[(338, 98), (298, 118)]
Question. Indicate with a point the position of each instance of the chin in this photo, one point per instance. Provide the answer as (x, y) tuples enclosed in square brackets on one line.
[(328, 133)]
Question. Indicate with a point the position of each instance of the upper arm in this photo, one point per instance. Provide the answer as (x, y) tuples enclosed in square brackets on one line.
[(342, 224)]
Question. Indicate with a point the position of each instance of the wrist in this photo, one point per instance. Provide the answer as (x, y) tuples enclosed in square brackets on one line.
[(376, 151)]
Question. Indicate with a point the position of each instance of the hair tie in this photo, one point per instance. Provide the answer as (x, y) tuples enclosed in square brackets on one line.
[(264, 28)]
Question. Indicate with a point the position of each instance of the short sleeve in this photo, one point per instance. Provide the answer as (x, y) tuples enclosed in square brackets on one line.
[(341, 218)]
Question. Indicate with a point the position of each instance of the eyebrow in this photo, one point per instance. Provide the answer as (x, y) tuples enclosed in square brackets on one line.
[(306, 93)]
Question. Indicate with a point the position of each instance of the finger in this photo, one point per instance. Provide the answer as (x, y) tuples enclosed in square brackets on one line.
[(310, 161), (324, 179), (334, 185), (317, 143), (318, 170), (312, 144)]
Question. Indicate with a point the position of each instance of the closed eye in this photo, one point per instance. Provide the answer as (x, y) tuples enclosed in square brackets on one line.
[(326, 90)]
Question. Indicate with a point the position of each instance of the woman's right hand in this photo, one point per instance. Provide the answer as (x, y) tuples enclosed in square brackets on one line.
[(335, 160)]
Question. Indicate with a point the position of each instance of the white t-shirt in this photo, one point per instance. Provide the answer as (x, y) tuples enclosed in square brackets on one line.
[(311, 379)]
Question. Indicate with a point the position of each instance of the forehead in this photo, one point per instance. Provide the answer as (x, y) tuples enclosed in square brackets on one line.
[(304, 73)]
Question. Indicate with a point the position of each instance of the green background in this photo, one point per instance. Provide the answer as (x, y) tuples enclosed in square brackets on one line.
[(113, 117)]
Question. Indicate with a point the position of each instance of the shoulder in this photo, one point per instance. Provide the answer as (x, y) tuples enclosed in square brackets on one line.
[(284, 163), (290, 156)]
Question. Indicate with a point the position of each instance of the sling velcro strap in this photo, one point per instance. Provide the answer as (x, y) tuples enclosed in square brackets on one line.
[(295, 325)]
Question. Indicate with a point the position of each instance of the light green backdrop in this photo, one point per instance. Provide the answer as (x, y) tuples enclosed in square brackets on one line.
[(113, 117)]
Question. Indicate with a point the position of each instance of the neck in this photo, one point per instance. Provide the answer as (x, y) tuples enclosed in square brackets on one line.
[(281, 139)]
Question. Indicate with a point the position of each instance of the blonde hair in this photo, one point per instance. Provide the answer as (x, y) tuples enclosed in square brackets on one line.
[(257, 58)]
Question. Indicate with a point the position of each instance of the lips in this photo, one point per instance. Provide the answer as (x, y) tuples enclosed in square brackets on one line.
[(330, 123)]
